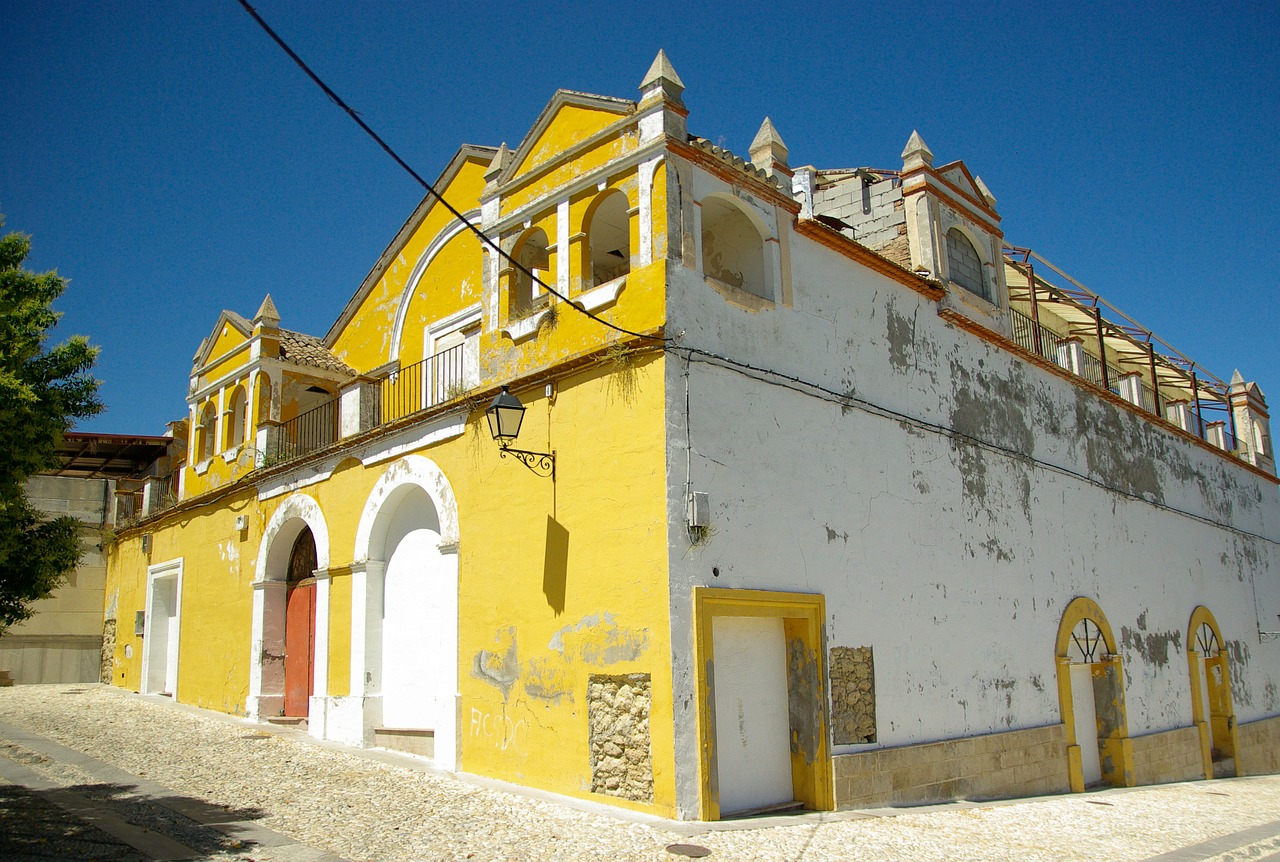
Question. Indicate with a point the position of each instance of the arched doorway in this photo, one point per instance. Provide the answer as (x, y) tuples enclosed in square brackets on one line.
[(408, 617), (278, 554), (300, 626), (1091, 695), (1211, 704)]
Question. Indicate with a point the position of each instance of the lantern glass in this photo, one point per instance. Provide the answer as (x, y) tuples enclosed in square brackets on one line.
[(505, 414)]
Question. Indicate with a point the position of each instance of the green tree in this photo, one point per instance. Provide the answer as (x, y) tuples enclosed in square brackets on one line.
[(42, 392)]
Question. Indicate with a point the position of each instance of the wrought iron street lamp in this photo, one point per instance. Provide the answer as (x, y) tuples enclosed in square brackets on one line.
[(505, 414)]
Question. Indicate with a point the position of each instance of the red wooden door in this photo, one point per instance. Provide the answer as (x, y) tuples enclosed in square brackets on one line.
[(299, 649)]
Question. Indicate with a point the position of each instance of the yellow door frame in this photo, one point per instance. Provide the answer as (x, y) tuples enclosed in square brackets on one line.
[(802, 615), (1114, 745), (1221, 718)]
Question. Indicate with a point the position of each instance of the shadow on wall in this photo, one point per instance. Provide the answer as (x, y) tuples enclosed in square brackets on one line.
[(555, 567)]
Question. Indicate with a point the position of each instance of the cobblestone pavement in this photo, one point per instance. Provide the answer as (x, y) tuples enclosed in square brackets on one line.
[(90, 772)]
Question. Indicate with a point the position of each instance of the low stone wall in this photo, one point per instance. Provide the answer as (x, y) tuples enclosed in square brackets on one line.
[(1259, 747), (1018, 763), (1170, 755)]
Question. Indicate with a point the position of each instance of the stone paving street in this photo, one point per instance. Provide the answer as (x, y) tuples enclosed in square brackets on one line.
[(90, 772)]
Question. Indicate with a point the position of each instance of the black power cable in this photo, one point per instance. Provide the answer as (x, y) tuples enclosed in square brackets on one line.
[(353, 114)]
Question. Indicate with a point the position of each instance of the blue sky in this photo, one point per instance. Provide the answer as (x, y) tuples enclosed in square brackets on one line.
[(171, 162)]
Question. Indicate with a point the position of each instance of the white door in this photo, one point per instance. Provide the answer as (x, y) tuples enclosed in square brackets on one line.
[(1203, 669), (162, 637), (1086, 722), (413, 628), (753, 749)]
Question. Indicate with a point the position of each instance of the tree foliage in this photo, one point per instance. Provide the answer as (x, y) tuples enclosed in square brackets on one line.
[(43, 390)]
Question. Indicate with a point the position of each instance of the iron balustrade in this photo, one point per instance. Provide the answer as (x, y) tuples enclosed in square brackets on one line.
[(420, 386), (305, 433), (1027, 334)]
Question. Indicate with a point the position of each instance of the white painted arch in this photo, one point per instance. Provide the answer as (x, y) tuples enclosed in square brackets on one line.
[(433, 248), (297, 511), (404, 606), (409, 470), (266, 659)]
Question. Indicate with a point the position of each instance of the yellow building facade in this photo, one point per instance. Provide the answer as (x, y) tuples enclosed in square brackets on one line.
[(667, 592)]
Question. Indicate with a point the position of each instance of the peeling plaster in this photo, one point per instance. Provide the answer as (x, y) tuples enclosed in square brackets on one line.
[(1153, 646), (803, 696), (599, 640), (499, 667)]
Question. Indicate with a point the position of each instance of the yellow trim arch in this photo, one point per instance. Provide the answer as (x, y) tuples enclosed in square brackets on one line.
[(1115, 749), (1218, 728)]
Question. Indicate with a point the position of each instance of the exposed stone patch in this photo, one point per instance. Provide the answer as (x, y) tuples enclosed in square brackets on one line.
[(853, 695), (108, 651), (618, 721)]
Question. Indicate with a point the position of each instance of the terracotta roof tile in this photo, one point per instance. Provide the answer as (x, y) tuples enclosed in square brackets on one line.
[(302, 349)]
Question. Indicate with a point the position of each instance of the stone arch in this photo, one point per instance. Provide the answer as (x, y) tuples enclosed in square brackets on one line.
[(1212, 707), (237, 416), (533, 252), (1091, 696), (405, 611), (295, 514)]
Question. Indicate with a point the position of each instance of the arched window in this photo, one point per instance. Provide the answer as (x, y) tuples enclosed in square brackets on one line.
[(732, 248), (237, 410), (206, 432), (533, 254), (965, 265), (609, 239)]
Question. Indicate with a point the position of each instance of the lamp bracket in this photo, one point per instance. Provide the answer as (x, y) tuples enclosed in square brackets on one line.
[(541, 463)]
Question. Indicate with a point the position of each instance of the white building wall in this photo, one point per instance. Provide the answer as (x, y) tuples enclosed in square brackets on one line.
[(944, 524)]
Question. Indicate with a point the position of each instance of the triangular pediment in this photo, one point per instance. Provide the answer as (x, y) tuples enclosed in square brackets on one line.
[(466, 154), (958, 175), (568, 119), (229, 333)]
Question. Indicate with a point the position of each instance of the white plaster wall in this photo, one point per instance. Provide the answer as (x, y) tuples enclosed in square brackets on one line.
[(954, 561)]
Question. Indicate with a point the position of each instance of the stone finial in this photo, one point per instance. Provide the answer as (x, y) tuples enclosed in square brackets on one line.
[(917, 153), (500, 161), (1237, 379), (767, 147), (661, 79), (986, 192), (267, 313)]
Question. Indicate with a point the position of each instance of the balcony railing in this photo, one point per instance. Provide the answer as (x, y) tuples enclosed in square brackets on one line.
[(304, 434), (401, 394), (1039, 339), (420, 386)]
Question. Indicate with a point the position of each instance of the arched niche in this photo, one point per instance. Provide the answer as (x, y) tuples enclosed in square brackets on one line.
[(733, 251), (1212, 706), (608, 248)]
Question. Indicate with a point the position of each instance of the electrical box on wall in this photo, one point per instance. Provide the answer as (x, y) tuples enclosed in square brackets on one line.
[(699, 509), (146, 543), (242, 523), (140, 623)]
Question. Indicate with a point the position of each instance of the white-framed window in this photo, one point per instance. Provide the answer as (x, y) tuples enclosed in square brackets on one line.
[(452, 348)]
